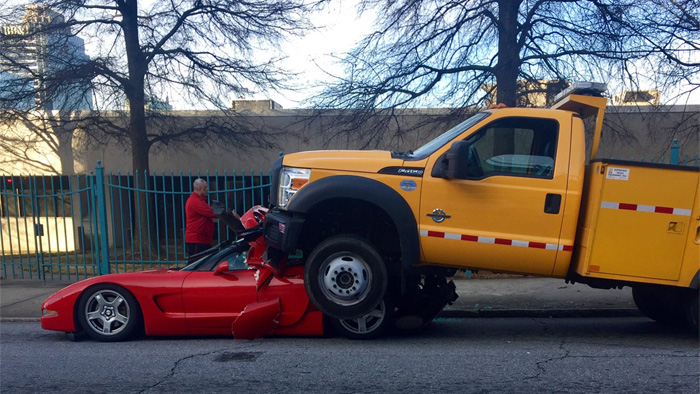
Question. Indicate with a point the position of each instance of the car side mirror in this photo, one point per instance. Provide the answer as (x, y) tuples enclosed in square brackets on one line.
[(222, 268), (462, 162)]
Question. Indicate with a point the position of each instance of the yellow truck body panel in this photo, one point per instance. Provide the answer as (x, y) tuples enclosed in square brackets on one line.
[(346, 161), (639, 223)]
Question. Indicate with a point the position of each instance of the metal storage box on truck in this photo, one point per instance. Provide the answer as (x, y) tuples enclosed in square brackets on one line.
[(639, 223)]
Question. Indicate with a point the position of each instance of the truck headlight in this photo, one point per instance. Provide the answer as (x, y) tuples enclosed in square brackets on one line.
[(291, 180)]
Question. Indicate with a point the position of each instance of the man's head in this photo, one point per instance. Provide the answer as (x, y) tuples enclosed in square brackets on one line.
[(200, 187)]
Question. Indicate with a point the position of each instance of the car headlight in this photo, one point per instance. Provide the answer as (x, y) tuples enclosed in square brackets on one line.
[(291, 180)]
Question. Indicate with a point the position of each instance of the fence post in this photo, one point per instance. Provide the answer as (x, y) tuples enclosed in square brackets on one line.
[(103, 266), (675, 152)]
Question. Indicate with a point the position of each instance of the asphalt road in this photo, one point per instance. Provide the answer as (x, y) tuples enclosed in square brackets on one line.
[(579, 355)]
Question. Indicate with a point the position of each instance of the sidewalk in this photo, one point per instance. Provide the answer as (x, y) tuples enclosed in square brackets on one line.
[(20, 299)]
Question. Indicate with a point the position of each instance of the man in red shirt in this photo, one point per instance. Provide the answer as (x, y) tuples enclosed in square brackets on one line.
[(199, 229)]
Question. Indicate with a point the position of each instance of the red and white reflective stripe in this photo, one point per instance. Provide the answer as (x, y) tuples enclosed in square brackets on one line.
[(496, 241), (645, 208)]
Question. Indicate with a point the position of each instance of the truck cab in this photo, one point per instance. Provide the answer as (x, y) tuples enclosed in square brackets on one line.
[(505, 188)]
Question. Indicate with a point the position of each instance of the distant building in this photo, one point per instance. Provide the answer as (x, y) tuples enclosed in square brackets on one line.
[(532, 94), (636, 97), (33, 52), (156, 104), (254, 105)]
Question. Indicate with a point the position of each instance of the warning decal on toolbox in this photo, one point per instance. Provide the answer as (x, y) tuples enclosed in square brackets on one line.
[(620, 174)]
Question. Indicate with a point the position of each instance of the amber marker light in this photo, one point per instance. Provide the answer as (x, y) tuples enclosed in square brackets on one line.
[(48, 312)]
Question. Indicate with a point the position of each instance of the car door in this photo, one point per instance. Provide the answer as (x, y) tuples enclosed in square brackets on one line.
[(507, 215), (213, 301)]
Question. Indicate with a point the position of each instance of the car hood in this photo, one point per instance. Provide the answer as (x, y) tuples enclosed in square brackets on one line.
[(118, 278), (343, 160)]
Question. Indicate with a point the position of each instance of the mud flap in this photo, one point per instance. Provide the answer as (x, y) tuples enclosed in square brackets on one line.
[(257, 319)]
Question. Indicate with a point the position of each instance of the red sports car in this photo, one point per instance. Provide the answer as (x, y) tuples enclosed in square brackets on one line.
[(231, 291)]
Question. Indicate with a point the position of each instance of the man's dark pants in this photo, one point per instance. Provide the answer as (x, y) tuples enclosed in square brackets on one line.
[(193, 249)]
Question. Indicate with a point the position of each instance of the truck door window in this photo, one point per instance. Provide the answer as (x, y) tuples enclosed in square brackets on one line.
[(517, 147)]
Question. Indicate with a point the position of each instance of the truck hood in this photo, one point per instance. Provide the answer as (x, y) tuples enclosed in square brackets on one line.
[(343, 160)]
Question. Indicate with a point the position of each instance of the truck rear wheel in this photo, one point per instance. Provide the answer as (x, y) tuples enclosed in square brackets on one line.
[(345, 277), (692, 309), (665, 305)]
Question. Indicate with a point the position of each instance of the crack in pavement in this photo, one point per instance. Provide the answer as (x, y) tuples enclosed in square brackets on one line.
[(540, 364), (567, 354), (173, 370)]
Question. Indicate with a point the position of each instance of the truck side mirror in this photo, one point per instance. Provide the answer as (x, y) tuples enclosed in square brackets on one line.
[(461, 162)]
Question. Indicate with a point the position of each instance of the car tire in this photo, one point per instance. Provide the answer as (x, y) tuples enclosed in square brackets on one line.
[(345, 277), (369, 326), (109, 313)]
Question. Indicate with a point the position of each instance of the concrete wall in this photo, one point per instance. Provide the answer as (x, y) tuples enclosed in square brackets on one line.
[(649, 132), (628, 132)]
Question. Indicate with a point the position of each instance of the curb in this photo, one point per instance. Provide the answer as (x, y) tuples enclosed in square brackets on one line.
[(19, 319), (541, 313)]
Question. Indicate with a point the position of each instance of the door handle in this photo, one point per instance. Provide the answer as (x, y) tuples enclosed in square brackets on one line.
[(552, 203)]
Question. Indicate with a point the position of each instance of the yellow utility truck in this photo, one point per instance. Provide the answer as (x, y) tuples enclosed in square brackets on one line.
[(507, 190)]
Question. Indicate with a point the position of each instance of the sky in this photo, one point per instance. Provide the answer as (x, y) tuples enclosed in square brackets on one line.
[(340, 29), (314, 56)]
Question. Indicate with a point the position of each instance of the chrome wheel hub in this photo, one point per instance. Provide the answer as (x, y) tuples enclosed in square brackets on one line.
[(345, 278), (108, 312)]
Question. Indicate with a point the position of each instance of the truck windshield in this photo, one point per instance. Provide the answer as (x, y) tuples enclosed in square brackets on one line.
[(429, 148)]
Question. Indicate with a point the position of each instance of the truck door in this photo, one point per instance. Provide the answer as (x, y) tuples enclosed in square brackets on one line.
[(507, 214)]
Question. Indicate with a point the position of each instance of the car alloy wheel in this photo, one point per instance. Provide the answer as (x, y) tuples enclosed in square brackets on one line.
[(369, 326), (108, 313)]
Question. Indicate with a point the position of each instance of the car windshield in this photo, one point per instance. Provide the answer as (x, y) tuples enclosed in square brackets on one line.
[(235, 254), (429, 148)]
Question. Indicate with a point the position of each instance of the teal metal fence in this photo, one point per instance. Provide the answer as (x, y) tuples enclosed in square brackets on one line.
[(45, 223), (78, 226), (675, 157)]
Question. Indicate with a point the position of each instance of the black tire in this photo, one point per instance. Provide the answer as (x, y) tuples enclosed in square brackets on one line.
[(345, 277), (369, 326), (663, 304), (692, 310), (109, 313)]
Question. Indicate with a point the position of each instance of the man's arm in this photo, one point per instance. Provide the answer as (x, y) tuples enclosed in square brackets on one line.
[(202, 208)]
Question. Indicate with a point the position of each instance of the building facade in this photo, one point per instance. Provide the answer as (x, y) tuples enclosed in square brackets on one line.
[(39, 62)]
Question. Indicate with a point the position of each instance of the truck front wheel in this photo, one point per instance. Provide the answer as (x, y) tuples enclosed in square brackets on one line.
[(345, 277)]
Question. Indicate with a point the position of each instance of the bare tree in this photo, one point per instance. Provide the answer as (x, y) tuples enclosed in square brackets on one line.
[(459, 53), (202, 51), (36, 136)]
